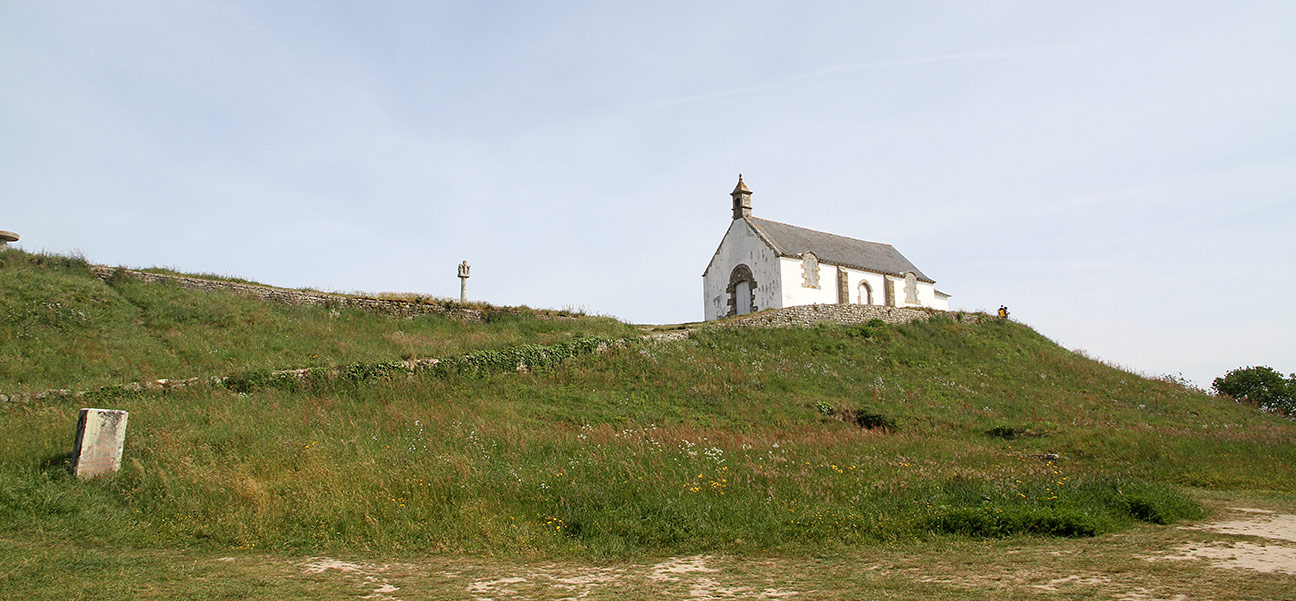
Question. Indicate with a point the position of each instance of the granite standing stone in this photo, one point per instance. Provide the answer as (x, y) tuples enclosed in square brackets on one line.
[(101, 433)]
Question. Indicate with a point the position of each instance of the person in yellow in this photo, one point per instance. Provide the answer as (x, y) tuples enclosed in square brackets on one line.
[(1003, 311)]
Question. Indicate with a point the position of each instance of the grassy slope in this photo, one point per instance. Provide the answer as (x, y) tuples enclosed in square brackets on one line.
[(67, 329), (715, 444), (732, 441)]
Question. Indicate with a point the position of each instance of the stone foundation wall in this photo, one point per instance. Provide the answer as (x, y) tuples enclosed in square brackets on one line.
[(809, 315), (403, 308)]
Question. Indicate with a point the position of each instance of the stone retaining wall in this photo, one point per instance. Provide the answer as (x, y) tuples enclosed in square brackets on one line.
[(403, 308), (809, 315)]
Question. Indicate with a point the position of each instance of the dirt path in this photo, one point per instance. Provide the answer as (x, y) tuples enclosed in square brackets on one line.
[(1244, 554), (1147, 564), (1268, 542)]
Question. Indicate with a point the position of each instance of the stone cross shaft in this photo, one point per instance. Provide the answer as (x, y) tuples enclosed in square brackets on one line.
[(463, 281)]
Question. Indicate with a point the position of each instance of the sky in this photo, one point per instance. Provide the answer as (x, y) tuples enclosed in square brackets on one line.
[(1122, 175)]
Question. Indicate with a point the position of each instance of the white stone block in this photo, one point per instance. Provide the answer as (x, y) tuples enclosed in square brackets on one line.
[(100, 436)]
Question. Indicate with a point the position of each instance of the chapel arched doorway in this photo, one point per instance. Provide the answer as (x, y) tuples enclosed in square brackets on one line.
[(742, 291)]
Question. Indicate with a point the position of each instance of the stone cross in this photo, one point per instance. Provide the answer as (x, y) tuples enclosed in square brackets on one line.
[(100, 436), (463, 281)]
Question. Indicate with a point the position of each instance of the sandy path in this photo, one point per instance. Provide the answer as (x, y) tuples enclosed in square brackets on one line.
[(1245, 539), (1274, 552)]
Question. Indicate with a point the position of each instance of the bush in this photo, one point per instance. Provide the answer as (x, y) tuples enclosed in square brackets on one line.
[(863, 418), (1012, 433), (997, 521), (1260, 386), (247, 381), (1004, 432), (1155, 504), (873, 421)]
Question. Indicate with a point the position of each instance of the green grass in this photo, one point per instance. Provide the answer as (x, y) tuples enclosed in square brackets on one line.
[(741, 441), (68, 329), (715, 444)]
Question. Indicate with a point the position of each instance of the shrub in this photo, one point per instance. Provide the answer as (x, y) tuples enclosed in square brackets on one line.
[(1011, 432), (998, 521), (1004, 432), (1260, 386), (247, 381), (1155, 504), (863, 418), (360, 372), (873, 421)]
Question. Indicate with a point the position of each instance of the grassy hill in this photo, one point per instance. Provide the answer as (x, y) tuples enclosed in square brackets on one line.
[(738, 440), (67, 329)]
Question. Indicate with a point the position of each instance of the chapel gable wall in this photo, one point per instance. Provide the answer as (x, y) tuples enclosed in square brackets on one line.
[(741, 246)]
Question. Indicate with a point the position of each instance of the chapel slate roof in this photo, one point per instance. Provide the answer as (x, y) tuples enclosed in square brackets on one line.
[(792, 241)]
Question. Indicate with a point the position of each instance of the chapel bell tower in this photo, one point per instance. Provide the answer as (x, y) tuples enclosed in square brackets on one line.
[(741, 200)]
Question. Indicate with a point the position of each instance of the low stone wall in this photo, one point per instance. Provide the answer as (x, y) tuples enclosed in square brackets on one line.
[(403, 308), (526, 356), (809, 315)]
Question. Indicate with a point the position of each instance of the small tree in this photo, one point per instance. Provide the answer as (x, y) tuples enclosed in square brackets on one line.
[(1261, 386)]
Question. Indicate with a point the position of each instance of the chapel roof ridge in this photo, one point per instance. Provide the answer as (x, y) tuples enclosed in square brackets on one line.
[(791, 241), (810, 229)]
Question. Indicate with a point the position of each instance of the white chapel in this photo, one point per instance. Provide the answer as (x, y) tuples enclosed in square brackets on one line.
[(764, 264)]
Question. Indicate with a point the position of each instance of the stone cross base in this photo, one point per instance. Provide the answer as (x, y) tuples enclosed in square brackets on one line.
[(100, 436)]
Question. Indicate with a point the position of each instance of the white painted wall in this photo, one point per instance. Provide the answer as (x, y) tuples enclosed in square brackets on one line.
[(927, 297), (875, 280), (795, 293), (741, 246)]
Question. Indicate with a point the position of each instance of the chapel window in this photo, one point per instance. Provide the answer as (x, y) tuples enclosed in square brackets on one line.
[(865, 294), (810, 270), (911, 288)]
